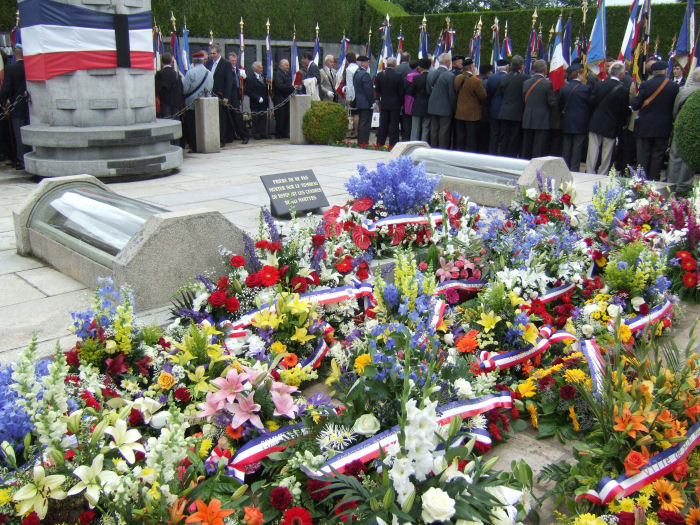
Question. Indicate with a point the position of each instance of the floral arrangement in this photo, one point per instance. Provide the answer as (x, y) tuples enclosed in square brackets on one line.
[(348, 143)]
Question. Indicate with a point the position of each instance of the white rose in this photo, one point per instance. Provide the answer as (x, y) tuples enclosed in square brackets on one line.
[(449, 339), (614, 310), (587, 330), (590, 308), (531, 193), (464, 388), (367, 425), (637, 302), (437, 506)]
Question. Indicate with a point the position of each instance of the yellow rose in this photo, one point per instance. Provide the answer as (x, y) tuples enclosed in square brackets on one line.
[(166, 380)]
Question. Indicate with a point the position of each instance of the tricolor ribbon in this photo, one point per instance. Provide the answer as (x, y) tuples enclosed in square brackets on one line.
[(372, 225), (658, 466), (515, 357), (467, 286), (591, 351), (655, 314), (556, 293), (437, 314), (369, 449)]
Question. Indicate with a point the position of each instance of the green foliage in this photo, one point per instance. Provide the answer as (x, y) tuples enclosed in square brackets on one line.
[(383, 7), (686, 131), (325, 123)]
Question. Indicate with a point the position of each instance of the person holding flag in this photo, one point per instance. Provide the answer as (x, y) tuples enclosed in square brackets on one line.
[(557, 68)]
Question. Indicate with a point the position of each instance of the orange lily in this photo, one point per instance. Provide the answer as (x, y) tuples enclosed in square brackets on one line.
[(208, 514), (177, 511), (629, 423)]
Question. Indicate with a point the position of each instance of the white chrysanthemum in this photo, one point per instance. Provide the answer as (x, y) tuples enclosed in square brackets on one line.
[(477, 422), (335, 437)]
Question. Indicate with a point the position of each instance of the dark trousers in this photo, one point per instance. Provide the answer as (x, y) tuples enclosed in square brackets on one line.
[(282, 121), (626, 151), (364, 125), (440, 131), (534, 143), (189, 130), (224, 124), (650, 155), (509, 137), (238, 129), (259, 122), (466, 135), (494, 131), (20, 148), (406, 125), (572, 150), (167, 111), (482, 136), (388, 125)]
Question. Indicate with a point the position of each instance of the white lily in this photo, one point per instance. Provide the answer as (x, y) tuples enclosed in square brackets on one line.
[(36, 494), (126, 441), (93, 480)]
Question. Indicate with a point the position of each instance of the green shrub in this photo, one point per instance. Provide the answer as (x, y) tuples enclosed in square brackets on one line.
[(325, 123), (687, 131)]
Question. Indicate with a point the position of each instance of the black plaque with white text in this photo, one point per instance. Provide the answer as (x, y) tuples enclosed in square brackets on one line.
[(300, 188)]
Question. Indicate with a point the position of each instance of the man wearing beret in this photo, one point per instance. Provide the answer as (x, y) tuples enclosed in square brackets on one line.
[(457, 64), (197, 82), (655, 120), (470, 95), (575, 108), (364, 99), (539, 103)]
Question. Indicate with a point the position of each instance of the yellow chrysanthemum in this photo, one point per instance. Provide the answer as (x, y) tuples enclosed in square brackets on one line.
[(278, 347), (575, 375), (624, 333), (361, 361), (627, 505), (5, 497), (527, 388), (643, 501), (205, 447), (588, 519)]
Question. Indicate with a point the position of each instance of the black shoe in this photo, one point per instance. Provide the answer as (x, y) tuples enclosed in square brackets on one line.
[(257, 137), (244, 141)]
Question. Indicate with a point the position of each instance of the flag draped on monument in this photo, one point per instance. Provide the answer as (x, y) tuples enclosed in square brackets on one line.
[(60, 38)]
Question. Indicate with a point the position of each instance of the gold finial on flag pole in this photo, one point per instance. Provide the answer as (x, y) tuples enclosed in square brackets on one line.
[(211, 36), (447, 21), (534, 18), (584, 8), (184, 21), (172, 19), (295, 31), (316, 29), (267, 25), (17, 18)]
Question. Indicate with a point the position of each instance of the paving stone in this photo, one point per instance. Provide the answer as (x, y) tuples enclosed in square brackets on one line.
[(11, 262), (6, 223), (14, 289), (50, 281), (7, 240)]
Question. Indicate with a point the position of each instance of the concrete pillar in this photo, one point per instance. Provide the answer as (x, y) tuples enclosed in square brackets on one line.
[(298, 106), (206, 112)]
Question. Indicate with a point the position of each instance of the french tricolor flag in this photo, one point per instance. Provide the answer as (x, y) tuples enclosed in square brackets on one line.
[(61, 38)]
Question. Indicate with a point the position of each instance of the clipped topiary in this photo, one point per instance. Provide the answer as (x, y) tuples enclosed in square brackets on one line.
[(325, 123), (687, 131)]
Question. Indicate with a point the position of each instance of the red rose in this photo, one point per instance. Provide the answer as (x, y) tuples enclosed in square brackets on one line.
[(135, 418), (546, 197), (690, 279), (362, 204), (360, 236), (218, 298), (567, 392), (31, 519), (566, 199), (318, 240), (182, 394), (298, 284), (269, 275), (670, 518), (223, 283), (363, 271), (635, 461), (315, 488), (253, 280), (232, 304), (644, 308), (680, 471), (280, 498), (313, 278), (237, 261), (275, 246), (86, 517), (262, 245)]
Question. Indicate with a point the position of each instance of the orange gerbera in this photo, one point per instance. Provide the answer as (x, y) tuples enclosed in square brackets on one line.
[(669, 497), (629, 423), (209, 514), (693, 517), (234, 433), (290, 360), (468, 343)]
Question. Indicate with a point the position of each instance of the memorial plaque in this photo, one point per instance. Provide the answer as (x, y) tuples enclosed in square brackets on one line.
[(300, 188)]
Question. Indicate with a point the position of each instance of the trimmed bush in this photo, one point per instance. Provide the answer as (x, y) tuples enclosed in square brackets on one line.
[(325, 123), (687, 131)]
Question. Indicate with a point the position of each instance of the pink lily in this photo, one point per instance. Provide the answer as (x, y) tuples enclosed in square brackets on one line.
[(284, 405), (244, 410), (251, 373), (229, 386), (210, 407), (282, 388)]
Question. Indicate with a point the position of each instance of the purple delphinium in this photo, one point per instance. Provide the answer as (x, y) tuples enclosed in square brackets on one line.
[(249, 249), (270, 222), (206, 282)]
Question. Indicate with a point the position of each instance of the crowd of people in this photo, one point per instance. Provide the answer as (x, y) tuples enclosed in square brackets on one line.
[(592, 123)]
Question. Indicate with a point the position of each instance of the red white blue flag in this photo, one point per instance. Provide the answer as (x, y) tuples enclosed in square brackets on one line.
[(558, 65), (61, 38)]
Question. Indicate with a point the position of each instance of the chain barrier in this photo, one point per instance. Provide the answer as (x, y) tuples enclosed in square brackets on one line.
[(7, 112), (254, 113)]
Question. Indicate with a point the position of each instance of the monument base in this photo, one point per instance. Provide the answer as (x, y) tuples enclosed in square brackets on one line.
[(134, 151)]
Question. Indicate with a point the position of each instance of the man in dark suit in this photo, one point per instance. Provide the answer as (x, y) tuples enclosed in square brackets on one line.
[(364, 98), (511, 114), (310, 69), (256, 89), (610, 113), (389, 88), (168, 88), (238, 129), (575, 109), (540, 102), (655, 120), (420, 120), (442, 100), (223, 85), (13, 87), (282, 88), (495, 99)]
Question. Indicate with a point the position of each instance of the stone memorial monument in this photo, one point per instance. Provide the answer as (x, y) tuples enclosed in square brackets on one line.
[(89, 66)]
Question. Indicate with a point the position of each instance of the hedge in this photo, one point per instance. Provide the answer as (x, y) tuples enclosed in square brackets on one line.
[(687, 131), (325, 123)]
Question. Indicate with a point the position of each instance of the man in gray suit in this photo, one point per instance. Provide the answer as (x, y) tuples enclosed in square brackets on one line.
[(441, 102), (540, 103)]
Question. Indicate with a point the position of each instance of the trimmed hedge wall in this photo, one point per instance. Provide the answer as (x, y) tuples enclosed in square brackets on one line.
[(687, 131)]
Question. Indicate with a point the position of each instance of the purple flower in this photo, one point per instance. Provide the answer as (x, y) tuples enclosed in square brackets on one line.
[(270, 222)]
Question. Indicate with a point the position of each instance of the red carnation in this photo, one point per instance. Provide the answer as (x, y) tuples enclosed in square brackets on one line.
[(269, 275), (315, 488), (363, 271), (217, 298), (182, 394), (280, 498), (298, 284), (31, 519), (546, 197), (670, 518), (253, 280), (223, 283), (546, 383), (495, 432), (314, 278), (355, 468), (237, 261), (567, 392), (318, 240), (275, 246), (232, 304), (644, 308), (362, 204), (296, 516), (86, 517), (262, 245), (135, 418), (72, 358), (690, 279)]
